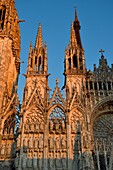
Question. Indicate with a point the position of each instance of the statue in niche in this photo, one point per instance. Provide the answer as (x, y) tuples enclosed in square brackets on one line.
[(57, 143), (13, 148), (73, 126), (51, 161), (5, 131), (58, 160), (35, 143), (41, 126), (73, 142), (40, 143), (87, 159), (25, 142), (37, 127), (51, 143), (11, 131), (18, 142), (57, 126), (3, 149), (16, 161), (40, 161), (35, 160), (24, 161), (31, 127), (30, 143), (63, 143), (51, 125), (29, 161), (63, 125), (78, 127), (63, 160), (8, 148), (26, 127)]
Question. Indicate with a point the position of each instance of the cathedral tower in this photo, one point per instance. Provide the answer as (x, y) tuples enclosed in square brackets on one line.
[(32, 131), (75, 68), (9, 71)]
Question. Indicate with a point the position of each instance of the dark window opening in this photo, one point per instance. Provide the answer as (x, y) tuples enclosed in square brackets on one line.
[(109, 85), (39, 64), (36, 60), (95, 85), (91, 85), (104, 86), (69, 63), (100, 86), (2, 16), (75, 63), (31, 62), (87, 85)]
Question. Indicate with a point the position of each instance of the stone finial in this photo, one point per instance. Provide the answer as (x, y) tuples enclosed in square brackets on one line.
[(57, 81)]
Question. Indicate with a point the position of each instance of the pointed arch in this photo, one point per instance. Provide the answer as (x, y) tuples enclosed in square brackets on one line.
[(2, 16)]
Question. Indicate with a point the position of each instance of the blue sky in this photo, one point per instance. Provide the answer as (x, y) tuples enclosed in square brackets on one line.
[(56, 16)]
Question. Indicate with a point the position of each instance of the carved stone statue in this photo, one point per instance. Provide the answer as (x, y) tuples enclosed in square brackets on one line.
[(73, 126), (35, 143), (51, 161), (26, 127), (3, 149), (30, 143), (9, 148), (58, 161), (31, 127), (40, 161), (11, 131), (37, 127), (35, 160), (24, 161), (25, 142), (51, 143), (40, 143), (41, 126), (51, 125), (87, 159), (63, 125), (57, 126), (63, 143), (16, 161), (63, 160), (57, 143)]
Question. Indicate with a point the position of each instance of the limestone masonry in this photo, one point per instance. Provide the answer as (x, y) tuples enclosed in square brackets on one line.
[(74, 132)]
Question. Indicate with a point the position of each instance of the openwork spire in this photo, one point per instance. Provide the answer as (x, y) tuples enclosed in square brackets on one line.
[(72, 35), (39, 41)]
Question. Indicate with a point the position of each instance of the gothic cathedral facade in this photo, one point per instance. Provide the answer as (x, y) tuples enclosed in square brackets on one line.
[(74, 132)]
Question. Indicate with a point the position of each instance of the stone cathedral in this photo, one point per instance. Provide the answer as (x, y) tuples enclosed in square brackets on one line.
[(52, 132)]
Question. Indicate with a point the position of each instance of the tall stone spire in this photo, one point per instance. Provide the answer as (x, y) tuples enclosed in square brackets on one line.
[(72, 36), (39, 41), (77, 27)]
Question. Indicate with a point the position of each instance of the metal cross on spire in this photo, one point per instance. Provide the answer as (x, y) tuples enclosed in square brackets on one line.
[(101, 51)]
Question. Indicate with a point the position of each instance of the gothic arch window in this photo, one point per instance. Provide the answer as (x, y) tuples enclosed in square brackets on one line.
[(2, 16), (57, 119), (35, 60), (39, 64), (69, 63), (75, 63)]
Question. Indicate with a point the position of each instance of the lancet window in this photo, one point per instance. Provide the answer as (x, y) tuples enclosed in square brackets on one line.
[(2, 16)]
